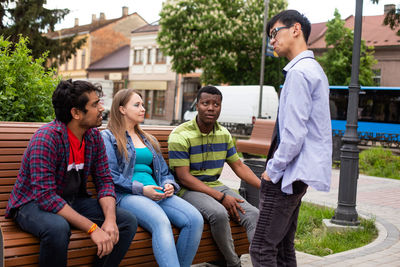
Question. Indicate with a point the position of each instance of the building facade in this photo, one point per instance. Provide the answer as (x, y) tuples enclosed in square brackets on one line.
[(103, 37), (150, 72), (114, 67)]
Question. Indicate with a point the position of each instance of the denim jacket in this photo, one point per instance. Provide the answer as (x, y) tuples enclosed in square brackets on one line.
[(122, 169)]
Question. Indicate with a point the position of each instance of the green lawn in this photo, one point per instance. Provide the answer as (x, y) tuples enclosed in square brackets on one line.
[(380, 162), (311, 238)]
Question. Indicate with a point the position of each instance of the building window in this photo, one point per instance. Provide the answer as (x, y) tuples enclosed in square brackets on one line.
[(83, 59), (160, 58), (149, 56), (159, 103), (138, 56), (377, 76)]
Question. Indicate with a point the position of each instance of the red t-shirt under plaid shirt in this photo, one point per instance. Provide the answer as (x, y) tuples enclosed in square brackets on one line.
[(76, 164)]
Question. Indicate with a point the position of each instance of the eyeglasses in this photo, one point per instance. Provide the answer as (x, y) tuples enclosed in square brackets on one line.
[(275, 31)]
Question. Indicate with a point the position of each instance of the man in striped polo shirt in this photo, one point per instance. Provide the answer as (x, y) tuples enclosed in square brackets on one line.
[(198, 150)]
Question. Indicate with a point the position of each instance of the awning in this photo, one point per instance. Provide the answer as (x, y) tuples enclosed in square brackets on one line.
[(149, 85)]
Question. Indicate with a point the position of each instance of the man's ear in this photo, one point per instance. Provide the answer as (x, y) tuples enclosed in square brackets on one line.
[(297, 29), (76, 113)]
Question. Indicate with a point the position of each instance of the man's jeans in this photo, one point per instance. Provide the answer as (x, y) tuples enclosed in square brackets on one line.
[(156, 217), (273, 243), (54, 231), (218, 217)]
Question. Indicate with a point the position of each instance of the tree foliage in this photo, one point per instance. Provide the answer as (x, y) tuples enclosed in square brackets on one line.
[(25, 86), (221, 37), (392, 18), (31, 19), (337, 60)]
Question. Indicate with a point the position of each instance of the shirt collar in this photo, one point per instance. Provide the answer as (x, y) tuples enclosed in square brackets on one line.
[(217, 127), (307, 53)]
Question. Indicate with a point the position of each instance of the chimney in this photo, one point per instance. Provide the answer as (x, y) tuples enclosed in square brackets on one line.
[(94, 18), (388, 7), (124, 11), (102, 16), (76, 22)]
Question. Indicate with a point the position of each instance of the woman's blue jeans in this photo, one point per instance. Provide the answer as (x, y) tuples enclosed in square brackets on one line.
[(54, 231), (156, 217)]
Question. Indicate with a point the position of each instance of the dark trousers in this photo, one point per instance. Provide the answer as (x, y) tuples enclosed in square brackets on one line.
[(54, 231), (273, 242)]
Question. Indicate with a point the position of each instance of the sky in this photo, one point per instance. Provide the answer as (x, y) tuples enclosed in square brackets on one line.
[(315, 10)]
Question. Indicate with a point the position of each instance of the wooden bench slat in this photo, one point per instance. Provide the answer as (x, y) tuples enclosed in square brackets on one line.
[(11, 158), (13, 136), (9, 166), (8, 174), (12, 151), (14, 143)]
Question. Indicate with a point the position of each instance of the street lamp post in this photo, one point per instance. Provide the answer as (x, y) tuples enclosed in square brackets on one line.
[(345, 213), (264, 44)]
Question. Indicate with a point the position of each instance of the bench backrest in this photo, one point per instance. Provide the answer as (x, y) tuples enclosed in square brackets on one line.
[(262, 130), (20, 248), (14, 138), (260, 139)]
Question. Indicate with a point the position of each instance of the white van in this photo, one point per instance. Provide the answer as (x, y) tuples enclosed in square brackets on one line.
[(240, 104)]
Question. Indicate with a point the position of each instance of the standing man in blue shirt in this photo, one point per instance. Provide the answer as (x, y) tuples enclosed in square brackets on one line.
[(301, 153)]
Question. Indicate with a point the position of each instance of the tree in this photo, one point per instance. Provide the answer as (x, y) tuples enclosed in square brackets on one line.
[(30, 19), (337, 61), (25, 86), (221, 37)]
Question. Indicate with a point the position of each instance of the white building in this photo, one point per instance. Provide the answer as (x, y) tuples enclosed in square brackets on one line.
[(166, 95)]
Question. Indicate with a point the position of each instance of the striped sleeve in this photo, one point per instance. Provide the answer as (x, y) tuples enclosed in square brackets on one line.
[(178, 151), (231, 155)]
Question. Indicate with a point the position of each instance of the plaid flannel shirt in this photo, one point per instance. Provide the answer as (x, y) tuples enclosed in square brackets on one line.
[(42, 175)]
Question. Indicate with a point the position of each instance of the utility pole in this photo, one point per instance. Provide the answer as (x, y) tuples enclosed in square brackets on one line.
[(264, 44), (345, 213)]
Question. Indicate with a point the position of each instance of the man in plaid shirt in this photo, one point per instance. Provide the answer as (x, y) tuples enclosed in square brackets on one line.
[(50, 193)]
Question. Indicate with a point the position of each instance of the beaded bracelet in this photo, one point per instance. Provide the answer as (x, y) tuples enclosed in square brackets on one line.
[(92, 228)]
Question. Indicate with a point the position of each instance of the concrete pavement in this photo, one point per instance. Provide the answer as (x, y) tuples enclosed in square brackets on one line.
[(376, 197)]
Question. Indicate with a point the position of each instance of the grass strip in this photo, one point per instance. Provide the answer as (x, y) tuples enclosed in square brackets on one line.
[(312, 239)]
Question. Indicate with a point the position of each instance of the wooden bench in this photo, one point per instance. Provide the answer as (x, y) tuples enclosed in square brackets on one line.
[(260, 138), (22, 249)]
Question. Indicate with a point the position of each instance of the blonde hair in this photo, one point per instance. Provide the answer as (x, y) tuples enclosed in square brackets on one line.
[(117, 126)]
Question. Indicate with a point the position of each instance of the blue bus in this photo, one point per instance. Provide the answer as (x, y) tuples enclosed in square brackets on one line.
[(378, 113)]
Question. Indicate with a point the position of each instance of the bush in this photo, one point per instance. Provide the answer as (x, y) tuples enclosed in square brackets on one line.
[(379, 162), (25, 85)]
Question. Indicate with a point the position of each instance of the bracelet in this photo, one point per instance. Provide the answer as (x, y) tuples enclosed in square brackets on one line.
[(92, 228), (222, 198)]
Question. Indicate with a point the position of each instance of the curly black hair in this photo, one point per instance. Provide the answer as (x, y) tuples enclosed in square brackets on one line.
[(72, 94)]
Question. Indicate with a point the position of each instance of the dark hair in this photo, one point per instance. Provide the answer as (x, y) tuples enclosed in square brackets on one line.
[(209, 90), (69, 94), (290, 17)]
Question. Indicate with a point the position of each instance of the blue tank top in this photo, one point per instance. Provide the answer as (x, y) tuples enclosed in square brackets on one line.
[(143, 172)]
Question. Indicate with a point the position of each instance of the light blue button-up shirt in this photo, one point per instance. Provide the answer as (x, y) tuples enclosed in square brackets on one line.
[(305, 149)]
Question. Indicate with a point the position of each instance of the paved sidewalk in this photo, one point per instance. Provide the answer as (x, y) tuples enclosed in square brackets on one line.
[(376, 197)]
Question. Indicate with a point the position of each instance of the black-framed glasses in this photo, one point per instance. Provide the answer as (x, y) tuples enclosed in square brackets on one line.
[(275, 31)]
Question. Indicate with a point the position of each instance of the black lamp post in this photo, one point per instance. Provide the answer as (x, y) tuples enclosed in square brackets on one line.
[(345, 213), (264, 44)]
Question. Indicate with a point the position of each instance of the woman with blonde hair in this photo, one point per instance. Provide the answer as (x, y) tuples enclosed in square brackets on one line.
[(145, 186)]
